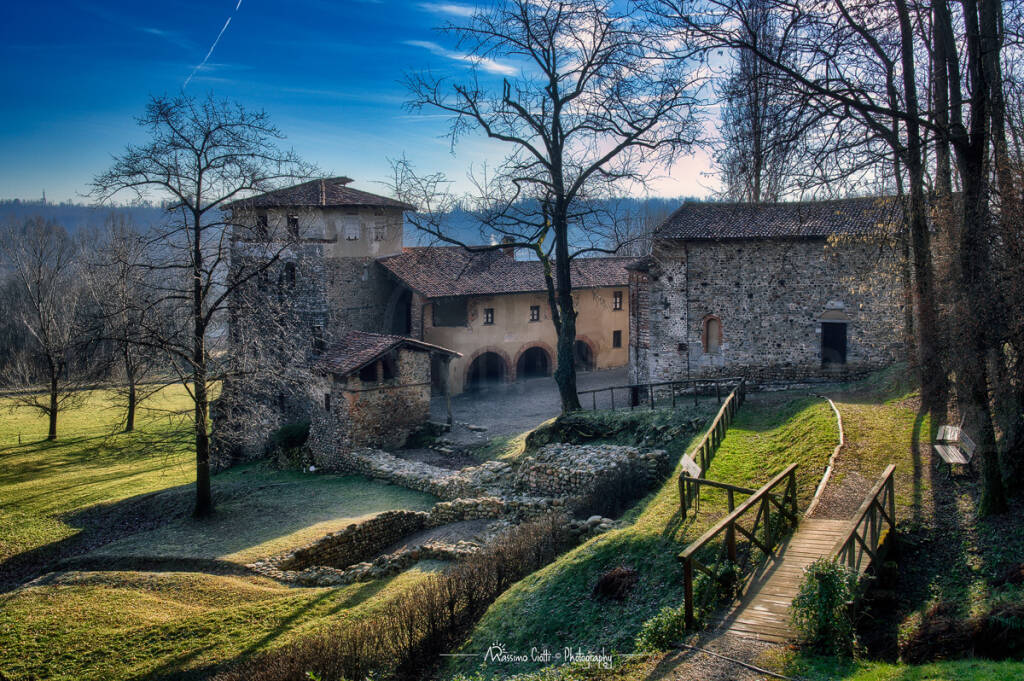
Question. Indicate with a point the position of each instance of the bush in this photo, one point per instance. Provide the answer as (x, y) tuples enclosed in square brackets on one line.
[(663, 630), (290, 435), (821, 609), (405, 639)]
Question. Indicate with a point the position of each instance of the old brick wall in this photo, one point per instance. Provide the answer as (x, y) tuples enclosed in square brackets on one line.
[(770, 296), (357, 542)]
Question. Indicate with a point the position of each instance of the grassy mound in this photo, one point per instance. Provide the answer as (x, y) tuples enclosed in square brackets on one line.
[(555, 606)]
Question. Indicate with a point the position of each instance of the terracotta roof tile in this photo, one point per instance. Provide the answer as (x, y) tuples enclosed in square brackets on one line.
[(326, 193), (439, 272), (356, 349), (795, 220)]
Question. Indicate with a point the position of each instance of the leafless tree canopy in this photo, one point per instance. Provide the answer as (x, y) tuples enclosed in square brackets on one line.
[(593, 103), (202, 155)]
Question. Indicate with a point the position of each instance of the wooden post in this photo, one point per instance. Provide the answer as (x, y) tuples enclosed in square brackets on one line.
[(718, 392), (730, 538), (766, 509), (672, 386), (651, 386), (688, 591), (593, 401), (682, 495), (612, 391), (732, 501)]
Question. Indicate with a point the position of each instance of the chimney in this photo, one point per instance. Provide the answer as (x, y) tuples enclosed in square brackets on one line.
[(509, 251)]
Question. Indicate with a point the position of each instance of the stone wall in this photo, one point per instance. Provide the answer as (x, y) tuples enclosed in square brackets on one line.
[(357, 542), (770, 297)]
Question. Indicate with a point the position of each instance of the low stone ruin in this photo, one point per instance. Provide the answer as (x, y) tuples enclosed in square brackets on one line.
[(563, 478)]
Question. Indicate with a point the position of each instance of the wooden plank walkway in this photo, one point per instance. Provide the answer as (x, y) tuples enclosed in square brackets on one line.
[(762, 612)]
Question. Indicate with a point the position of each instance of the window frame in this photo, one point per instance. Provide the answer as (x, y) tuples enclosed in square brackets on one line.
[(535, 313), (488, 316), (617, 338), (617, 300)]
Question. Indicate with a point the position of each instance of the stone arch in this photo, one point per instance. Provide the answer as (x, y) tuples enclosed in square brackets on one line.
[(527, 359), (711, 334), (584, 354), (487, 366)]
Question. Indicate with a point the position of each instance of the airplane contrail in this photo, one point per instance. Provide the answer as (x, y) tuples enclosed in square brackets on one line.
[(212, 47)]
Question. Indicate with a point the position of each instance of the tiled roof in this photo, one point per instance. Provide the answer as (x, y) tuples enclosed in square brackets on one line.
[(326, 193), (796, 220), (356, 349), (438, 272)]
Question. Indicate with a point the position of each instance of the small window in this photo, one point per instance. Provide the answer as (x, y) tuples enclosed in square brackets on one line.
[(327, 402), (262, 225), (318, 340), (488, 315), (389, 366), (368, 374), (617, 300), (288, 276), (380, 230), (535, 313), (352, 228), (712, 335), (616, 339), (293, 226)]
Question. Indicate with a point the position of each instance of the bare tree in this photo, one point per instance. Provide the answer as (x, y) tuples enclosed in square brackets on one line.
[(118, 276), (764, 124), (598, 104), (42, 258), (202, 155)]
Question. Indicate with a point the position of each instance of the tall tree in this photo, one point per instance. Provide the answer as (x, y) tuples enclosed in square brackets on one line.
[(43, 260), (594, 103), (202, 154), (763, 124)]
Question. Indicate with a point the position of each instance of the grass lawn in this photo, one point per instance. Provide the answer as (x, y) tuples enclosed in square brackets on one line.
[(554, 607), (100, 499)]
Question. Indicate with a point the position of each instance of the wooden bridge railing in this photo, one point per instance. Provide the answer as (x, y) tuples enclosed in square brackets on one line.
[(865, 539), (763, 500), (638, 393)]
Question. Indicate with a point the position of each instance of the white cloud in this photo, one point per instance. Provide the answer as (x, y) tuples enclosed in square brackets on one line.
[(483, 63), (448, 8)]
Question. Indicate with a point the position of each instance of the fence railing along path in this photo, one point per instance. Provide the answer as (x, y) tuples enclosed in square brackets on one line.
[(667, 392), (763, 610)]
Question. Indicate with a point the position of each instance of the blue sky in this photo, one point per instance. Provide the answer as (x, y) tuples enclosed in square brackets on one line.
[(76, 74)]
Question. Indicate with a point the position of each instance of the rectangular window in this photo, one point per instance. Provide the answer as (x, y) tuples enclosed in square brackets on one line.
[(262, 226), (380, 230), (351, 227), (293, 226), (616, 339), (617, 300), (535, 313), (488, 315), (327, 402), (318, 340), (450, 312)]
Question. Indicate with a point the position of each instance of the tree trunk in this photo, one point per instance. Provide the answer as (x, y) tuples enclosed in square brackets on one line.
[(52, 412), (129, 373), (565, 373), (204, 496)]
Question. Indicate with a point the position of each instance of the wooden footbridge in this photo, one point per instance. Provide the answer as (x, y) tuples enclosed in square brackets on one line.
[(761, 610)]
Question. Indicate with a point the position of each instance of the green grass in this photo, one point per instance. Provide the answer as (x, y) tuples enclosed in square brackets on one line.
[(828, 669), (554, 607), (99, 494)]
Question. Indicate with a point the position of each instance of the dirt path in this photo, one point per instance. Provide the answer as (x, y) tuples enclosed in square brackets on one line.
[(687, 664)]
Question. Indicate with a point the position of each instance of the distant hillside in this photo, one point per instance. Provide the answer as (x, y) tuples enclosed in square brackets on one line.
[(78, 216), (461, 225)]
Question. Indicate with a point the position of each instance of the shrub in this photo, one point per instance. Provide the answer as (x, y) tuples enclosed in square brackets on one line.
[(411, 630), (290, 435), (663, 630), (615, 583), (821, 609)]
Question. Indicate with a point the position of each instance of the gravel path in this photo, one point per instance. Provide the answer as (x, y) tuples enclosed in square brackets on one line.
[(513, 408), (692, 665)]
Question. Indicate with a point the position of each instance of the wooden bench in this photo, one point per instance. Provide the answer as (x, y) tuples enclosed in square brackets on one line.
[(954, 447)]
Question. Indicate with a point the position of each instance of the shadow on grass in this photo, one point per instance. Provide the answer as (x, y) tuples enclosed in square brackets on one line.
[(98, 525)]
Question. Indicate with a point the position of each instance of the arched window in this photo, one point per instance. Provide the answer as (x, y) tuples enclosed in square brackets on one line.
[(711, 337)]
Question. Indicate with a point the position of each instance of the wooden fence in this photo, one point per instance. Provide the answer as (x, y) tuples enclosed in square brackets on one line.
[(763, 500), (865, 543), (635, 394), (705, 449)]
